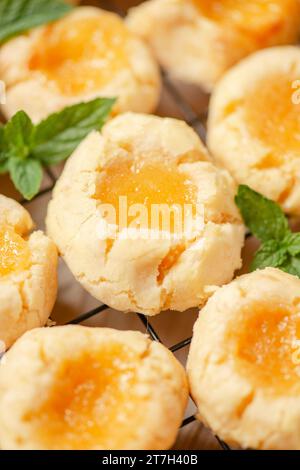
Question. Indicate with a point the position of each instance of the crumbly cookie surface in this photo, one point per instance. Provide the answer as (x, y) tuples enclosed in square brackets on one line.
[(146, 275), (28, 277), (87, 54), (73, 387), (243, 365)]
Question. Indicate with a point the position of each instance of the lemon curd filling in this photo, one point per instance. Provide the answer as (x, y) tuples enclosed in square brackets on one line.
[(273, 118), (150, 185), (81, 55), (266, 347), (258, 18), (14, 252), (91, 401)]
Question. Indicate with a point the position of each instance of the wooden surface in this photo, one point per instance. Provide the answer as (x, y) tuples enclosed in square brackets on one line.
[(180, 101)]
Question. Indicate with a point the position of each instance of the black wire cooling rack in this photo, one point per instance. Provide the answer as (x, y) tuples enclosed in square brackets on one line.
[(195, 120)]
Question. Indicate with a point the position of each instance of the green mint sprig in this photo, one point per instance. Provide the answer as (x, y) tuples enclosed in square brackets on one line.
[(18, 16), (280, 247), (25, 148)]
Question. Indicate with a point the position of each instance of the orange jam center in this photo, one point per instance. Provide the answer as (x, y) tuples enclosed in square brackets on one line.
[(81, 54), (169, 261), (273, 118), (149, 185), (259, 18), (91, 402), (266, 347), (14, 252)]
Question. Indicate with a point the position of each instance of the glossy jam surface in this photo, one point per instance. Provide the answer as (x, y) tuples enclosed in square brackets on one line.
[(169, 261), (81, 55), (273, 118), (260, 18), (91, 402), (146, 184), (14, 252), (266, 349)]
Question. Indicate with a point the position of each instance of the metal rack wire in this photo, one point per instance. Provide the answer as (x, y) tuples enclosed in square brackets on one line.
[(198, 122)]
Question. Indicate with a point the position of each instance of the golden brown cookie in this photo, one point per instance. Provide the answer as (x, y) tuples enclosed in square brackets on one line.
[(173, 255), (244, 362), (28, 278), (88, 53), (254, 124), (198, 40), (73, 387)]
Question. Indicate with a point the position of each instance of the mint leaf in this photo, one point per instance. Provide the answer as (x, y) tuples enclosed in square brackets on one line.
[(292, 241), (27, 175), (2, 144), (3, 152), (262, 216), (1, 139), (57, 137), (292, 266), (271, 253), (17, 135), (17, 16), (280, 247), (25, 148)]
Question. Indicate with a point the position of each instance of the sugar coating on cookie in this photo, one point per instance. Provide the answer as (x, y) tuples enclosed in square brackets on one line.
[(244, 362), (143, 264), (28, 279), (71, 388), (88, 53), (254, 124), (198, 40)]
